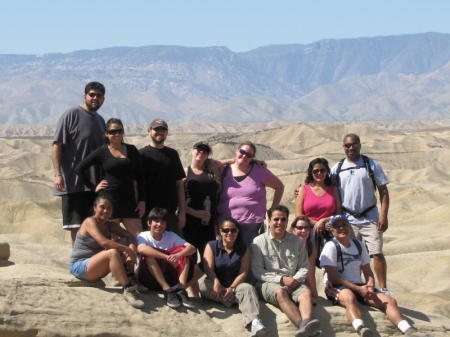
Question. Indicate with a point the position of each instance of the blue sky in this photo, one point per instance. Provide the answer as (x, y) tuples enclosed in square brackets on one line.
[(44, 26)]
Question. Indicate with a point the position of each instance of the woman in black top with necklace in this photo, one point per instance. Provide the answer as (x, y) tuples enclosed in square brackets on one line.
[(122, 176), (202, 186)]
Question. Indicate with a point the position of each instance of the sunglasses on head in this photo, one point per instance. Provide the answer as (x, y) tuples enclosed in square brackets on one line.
[(321, 170), (229, 230), (114, 131), (245, 153), (302, 227), (93, 94), (349, 145)]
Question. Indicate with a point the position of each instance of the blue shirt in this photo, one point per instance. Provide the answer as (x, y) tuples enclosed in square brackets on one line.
[(226, 265)]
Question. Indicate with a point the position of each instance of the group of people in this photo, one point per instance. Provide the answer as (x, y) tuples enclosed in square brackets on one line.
[(215, 210)]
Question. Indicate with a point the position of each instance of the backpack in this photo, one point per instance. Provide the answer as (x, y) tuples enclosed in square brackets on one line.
[(366, 166), (339, 252), (371, 175)]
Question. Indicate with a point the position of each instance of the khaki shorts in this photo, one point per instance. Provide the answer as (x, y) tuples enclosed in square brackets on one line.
[(269, 290), (370, 235)]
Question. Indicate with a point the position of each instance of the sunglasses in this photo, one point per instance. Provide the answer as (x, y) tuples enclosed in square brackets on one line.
[(302, 227), (229, 230), (245, 153), (160, 129), (92, 94), (349, 145), (322, 170), (114, 131)]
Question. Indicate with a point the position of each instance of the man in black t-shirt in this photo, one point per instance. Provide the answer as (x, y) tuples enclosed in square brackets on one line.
[(164, 176)]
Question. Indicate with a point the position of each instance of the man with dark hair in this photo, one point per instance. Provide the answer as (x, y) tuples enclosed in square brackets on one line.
[(280, 265), (357, 178), (164, 176), (79, 131)]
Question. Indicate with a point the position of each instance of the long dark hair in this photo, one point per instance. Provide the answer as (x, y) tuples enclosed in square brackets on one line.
[(109, 123), (236, 224), (309, 175)]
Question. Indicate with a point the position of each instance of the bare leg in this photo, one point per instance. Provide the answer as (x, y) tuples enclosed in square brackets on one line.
[(288, 307), (380, 269), (155, 270), (389, 306), (305, 305), (133, 226), (104, 262), (348, 300)]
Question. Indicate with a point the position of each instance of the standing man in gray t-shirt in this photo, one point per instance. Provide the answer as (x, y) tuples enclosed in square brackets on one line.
[(79, 131)]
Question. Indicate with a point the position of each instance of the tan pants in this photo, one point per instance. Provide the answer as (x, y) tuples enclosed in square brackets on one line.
[(245, 296)]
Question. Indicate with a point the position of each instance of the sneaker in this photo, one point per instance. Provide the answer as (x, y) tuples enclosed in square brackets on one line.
[(131, 296), (365, 332), (308, 327), (172, 300), (385, 291), (258, 328), (184, 299)]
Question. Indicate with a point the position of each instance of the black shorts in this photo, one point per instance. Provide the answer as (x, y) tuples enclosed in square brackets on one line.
[(123, 207), (76, 207)]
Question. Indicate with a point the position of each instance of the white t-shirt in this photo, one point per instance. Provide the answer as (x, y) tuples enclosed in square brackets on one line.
[(352, 264), (356, 188), (169, 240)]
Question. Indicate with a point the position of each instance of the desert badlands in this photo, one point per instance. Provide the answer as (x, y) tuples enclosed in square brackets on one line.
[(38, 296)]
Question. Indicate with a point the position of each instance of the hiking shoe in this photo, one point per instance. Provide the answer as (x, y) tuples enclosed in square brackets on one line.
[(365, 332), (172, 300), (185, 300), (258, 328), (308, 327), (131, 296), (385, 291)]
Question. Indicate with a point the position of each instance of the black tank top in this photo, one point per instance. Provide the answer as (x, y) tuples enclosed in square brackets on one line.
[(198, 187)]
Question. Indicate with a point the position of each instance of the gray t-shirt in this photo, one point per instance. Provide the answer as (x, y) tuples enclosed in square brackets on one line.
[(79, 132), (356, 188)]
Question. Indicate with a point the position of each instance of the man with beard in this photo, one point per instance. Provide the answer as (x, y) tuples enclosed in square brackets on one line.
[(164, 176), (79, 131)]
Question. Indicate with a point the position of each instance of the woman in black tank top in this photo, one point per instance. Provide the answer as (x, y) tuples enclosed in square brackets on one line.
[(202, 186)]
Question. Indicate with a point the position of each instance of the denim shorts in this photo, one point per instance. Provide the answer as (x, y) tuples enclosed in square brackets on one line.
[(79, 269)]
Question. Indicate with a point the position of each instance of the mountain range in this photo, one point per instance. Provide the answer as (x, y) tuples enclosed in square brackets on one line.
[(377, 78)]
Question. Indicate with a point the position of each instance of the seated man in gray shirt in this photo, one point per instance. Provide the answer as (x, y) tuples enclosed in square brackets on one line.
[(280, 265)]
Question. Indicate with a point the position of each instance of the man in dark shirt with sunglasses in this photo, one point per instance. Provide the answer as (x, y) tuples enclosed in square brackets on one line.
[(80, 130), (358, 178)]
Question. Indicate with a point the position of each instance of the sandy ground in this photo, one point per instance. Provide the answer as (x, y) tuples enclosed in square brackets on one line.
[(38, 297)]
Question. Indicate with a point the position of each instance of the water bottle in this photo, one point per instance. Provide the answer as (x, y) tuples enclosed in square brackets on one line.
[(206, 207)]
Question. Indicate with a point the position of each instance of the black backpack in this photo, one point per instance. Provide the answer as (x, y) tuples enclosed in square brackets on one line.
[(366, 166), (339, 252), (371, 175)]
